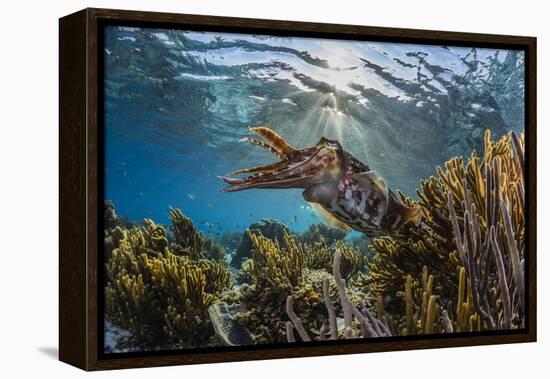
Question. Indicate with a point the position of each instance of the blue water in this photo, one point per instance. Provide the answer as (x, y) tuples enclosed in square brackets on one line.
[(177, 104)]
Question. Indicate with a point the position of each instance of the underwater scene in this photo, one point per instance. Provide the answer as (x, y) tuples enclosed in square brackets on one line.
[(271, 190)]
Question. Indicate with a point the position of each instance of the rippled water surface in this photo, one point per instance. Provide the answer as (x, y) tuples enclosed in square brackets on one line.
[(177, 103)]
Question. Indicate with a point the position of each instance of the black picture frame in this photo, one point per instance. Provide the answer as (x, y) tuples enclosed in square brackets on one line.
[(81, 186)]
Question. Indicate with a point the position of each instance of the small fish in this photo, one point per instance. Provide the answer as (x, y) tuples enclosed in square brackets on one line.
[(191, 196), (288, 101)]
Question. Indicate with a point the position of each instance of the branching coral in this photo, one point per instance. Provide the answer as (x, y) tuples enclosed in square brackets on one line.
[(316, 232), (269, 228), (274, 272), (422, 309), (356, 324), (423, 312), (465, 316), (281, 268), (483, 195), (499, 299), (155, 236), (163, 298), (216, 273), (187, 241), (129, 299), (244, 274), (277, 271), (183, 285), (319, 256), (491, 245)]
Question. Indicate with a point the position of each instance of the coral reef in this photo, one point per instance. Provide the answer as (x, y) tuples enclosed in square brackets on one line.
[(318, 256), (460, 270), (111, 219), (276, 271), (213, 249), (357, 324), (160, 296), (273, 266), (361, 243), (229, 331), (423, 312), (316, 232), (273, 271), (269, 228), (231, 240), (187, 241), (486, 196)]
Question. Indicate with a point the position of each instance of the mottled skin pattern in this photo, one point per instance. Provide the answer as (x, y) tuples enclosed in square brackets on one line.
[(331, 177)]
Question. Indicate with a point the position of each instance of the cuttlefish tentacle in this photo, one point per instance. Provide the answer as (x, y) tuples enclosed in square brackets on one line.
[(331, 178), (284, 174), (278, 166), (283, 149), (262, 144), (275, 144)]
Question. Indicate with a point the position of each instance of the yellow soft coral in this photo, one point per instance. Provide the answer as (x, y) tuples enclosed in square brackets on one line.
[(480, 183), (160, 296)]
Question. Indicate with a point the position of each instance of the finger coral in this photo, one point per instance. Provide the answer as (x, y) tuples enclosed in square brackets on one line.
[(422, 308), (274, 266), (318, 256), (187, 241)]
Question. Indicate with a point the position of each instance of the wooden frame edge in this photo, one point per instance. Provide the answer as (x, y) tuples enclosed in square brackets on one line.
[(78, 196), (72, 201)]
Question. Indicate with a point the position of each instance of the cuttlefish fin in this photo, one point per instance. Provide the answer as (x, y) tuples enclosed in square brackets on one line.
[(371, 181), (330, 218), (376, 180), (283, 149)]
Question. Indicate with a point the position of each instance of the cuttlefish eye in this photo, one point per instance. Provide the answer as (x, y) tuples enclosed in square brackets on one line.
[(332, 147)]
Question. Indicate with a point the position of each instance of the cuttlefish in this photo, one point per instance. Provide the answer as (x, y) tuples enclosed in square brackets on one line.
[(333, 179)]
